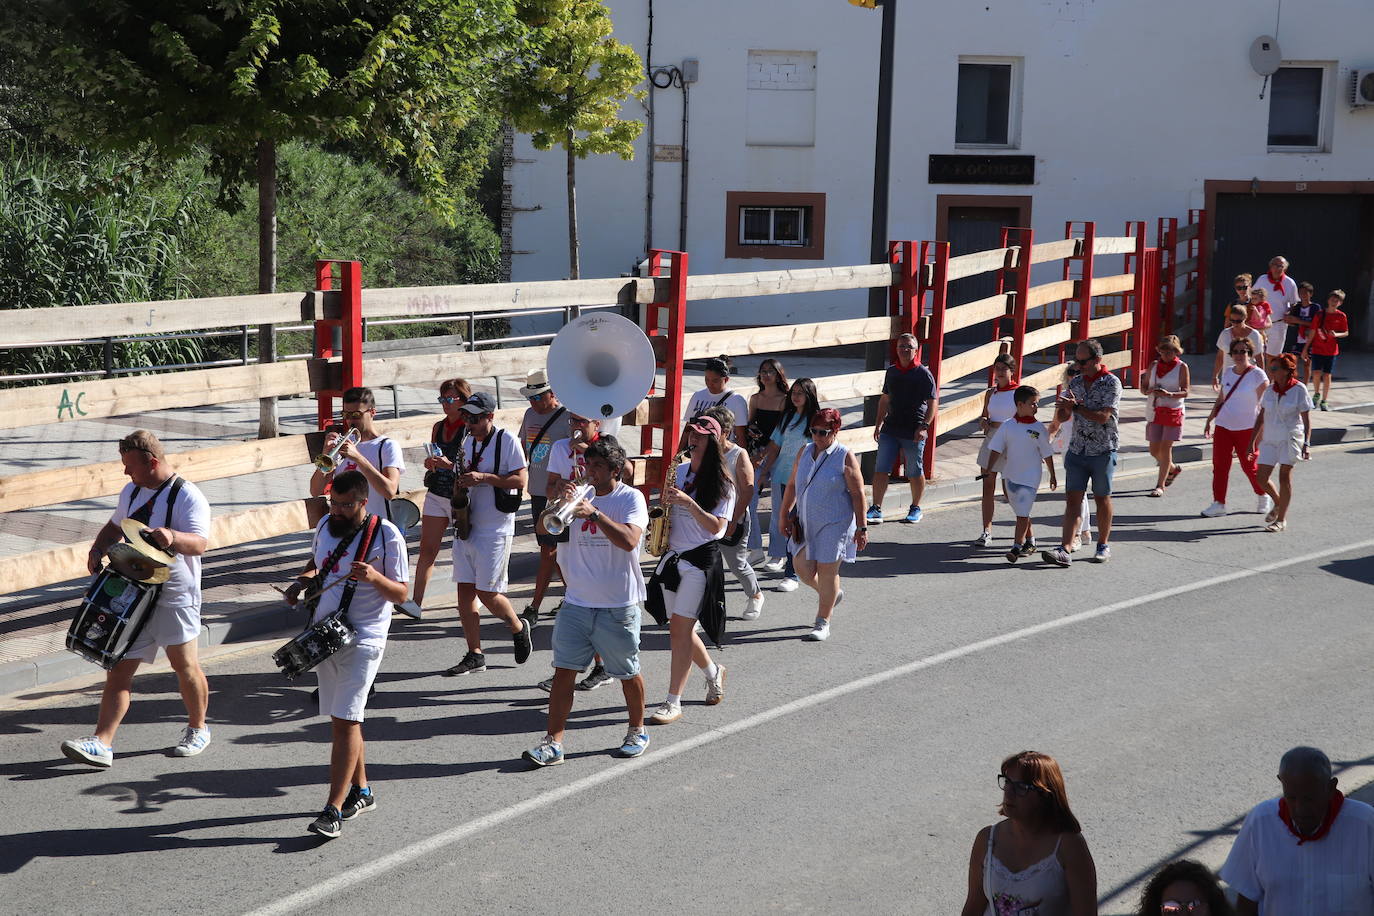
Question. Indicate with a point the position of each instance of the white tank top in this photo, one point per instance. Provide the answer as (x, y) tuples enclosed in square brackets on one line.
[(1169, 381), (1041, 889), (1001, 405)]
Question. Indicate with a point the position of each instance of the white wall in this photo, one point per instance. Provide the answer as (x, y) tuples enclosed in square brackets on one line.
[(1127, 107)]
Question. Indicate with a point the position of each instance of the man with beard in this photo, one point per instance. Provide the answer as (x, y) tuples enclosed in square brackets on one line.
[(358, 568)]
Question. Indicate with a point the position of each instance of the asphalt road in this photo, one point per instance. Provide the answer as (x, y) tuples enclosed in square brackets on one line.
[(845, 776)]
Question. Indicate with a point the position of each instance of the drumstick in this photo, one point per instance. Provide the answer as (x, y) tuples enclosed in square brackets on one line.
[(318, 592)]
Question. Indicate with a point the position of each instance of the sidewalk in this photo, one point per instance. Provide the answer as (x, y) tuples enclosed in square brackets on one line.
[(239, 601)]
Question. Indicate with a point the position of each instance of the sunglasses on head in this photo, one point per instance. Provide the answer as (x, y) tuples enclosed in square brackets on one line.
[(1179, 907)]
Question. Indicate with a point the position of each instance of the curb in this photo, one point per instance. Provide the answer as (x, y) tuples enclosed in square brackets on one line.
[(260, 621)]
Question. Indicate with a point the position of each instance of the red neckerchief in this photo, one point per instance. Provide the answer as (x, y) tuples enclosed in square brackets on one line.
[(1012, 387), (1281, 390), (1091, 380), (1027, 420), (1276, 284), (451, 428), (1163, 368), (1337, 799), (914, 364)]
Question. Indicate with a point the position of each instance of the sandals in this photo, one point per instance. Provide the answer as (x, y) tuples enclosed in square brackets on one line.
[(1173, 475), (1157, 492), (1276, 526), (1273, 514)]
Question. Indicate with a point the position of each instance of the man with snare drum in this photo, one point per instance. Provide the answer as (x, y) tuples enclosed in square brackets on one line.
[(178, 517), (359, 563)]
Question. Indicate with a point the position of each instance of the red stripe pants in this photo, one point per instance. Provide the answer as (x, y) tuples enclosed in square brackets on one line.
[(1225, 443)]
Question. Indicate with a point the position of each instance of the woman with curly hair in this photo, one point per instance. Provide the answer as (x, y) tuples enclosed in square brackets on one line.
[(1036, 860), (1184, 888)]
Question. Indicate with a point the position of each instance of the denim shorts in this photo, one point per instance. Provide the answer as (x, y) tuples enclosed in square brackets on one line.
[(1079, 469), (914, 451), (612, 632)]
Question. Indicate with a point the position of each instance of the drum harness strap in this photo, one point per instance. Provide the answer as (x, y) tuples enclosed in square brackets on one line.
[(371, 523), (144, 514)]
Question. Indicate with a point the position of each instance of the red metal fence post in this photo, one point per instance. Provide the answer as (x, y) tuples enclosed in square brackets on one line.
[(1139, 303), (1025, 240), (933, 346), (346, 316), (666, 319), (1166, 237), (1204, 257), (1083, 294)]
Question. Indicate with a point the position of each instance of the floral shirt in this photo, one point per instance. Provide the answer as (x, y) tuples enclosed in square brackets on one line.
[(1104, 393)]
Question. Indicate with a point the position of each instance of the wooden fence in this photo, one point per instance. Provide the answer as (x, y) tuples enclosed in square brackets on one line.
[(917, 278)]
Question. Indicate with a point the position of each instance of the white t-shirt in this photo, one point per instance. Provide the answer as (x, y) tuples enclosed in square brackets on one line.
[(1026, 446), (190, 514), (1283, 415), (502, 446), (562, 460), (685, 532), (381, 453), (1333, 876), (1241, 408), (369, 612), (598, 573), (704, 399), (1279, 296), (1226, 338)]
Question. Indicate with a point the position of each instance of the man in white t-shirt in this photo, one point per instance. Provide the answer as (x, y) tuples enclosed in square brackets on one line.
[(377, 457), (178, 517), (602, 609), (717, 393), (1309, 852), (495, 462), (358, 564)]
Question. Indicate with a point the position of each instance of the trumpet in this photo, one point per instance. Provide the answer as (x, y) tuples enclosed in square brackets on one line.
[(329, 460), (460, 501), (559, 514), (660, 522)]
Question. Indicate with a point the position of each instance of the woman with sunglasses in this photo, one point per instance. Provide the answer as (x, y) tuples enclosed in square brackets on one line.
[(1035, 860), (826, 488), (1184, 888), (1234, 413), (1236, 329), (1283, 433), (446, 438), (789, 437), (1166, 384), (766, 407)]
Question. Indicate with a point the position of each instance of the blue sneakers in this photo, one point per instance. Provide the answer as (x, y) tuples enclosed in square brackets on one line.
[(913, 514), (546, 754), (874, 516), (636, 742)]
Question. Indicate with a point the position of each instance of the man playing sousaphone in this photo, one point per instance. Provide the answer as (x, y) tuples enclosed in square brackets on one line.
[(368, 552), (376, 457), (178, 520)]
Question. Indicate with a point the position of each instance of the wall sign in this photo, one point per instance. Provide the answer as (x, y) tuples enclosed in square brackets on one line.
[(982, 170)]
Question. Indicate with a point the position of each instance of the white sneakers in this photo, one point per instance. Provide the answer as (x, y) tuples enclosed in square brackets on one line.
[(193, 741), (788, 584), (1215, 510), (1264, 504), (754, 608), (666, 713), (820, 632), (774, 564), (715, 687)]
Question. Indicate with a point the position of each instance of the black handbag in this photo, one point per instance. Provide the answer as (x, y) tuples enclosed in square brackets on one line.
[(507, 501)]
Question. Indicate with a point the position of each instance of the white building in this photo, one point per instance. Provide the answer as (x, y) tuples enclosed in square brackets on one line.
[(1119, 111)]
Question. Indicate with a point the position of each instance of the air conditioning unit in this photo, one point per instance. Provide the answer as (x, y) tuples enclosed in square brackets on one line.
[(1361, 88)]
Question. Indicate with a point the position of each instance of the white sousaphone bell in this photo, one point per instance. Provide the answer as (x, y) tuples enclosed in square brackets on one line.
[(601, 365)]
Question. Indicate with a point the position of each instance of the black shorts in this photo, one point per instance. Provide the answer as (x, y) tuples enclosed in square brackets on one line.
[(537, 506)]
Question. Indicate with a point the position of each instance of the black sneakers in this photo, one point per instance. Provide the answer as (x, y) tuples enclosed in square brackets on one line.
[(523, 644), (356, 803), (329, 824), (595, 679), (473, 661), (530, 616)]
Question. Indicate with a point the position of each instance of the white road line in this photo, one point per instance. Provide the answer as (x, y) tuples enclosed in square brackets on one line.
[(329, 887)]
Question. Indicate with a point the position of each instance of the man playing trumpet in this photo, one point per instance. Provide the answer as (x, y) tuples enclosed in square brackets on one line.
[(361, 569), (376, 457), (601, 612)]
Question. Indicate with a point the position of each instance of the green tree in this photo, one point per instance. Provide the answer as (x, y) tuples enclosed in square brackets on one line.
[(389, 79), (571, 90)]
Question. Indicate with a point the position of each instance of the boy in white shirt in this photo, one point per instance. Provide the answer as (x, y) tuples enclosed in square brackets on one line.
[(1026, 443), (376, 457)]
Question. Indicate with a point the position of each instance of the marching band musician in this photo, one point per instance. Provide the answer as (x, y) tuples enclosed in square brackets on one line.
[(377, 457), (545, 422), (436, 515), (179, 518), (702, 500), (347, 544), (602, 608), (495, 466)]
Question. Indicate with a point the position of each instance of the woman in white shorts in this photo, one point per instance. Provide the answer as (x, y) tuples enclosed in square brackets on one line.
[(1284, 433), (447, 437)]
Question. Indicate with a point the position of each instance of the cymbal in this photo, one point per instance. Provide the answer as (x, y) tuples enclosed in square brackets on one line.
[(126, 560), (136, 533)]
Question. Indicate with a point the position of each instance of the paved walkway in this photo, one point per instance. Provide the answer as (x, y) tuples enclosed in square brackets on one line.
[(239, 599)]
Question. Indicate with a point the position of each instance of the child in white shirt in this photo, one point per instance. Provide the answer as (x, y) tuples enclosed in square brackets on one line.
[(1025, 443)]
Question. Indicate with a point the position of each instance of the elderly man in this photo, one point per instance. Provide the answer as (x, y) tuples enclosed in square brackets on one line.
[(1309, 851), (906, 412)]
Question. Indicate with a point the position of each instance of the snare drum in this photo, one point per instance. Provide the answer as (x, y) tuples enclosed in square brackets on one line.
[(316, 643), (112, 614)]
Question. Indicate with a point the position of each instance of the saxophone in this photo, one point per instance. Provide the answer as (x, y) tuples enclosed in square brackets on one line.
[(660, 523), (460, 503)]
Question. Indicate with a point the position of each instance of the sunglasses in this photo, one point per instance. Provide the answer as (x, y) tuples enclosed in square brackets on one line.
[(1017, 786), (1178, 907), (358, 414), (474, 417), (1084, 362), (124, 449), (821, 431), (445, 399)]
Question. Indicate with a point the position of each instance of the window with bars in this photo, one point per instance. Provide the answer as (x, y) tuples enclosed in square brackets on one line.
[(775, 226), (781, 225)]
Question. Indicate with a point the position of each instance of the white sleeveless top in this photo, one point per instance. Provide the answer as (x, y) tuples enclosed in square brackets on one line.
[(1001, 405), (1041, 889), (1170, 381)]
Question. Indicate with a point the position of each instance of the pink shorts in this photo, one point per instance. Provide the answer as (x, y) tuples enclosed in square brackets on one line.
[(1154, 432)]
